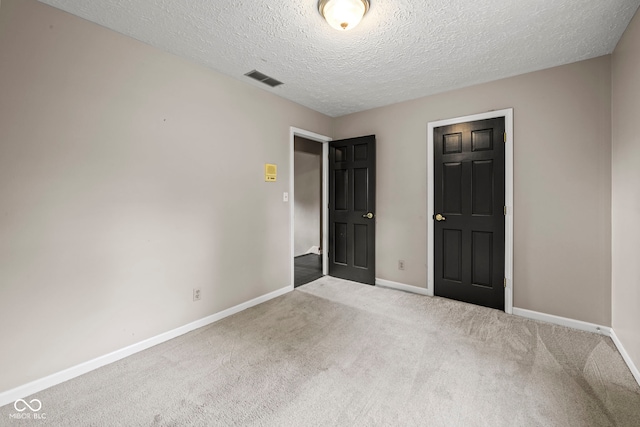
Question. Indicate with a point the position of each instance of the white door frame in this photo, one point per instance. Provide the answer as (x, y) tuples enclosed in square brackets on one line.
[(324, 140), (508, 239)]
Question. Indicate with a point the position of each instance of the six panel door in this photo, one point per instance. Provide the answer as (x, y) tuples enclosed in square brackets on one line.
[(469, 170), (352, 192)]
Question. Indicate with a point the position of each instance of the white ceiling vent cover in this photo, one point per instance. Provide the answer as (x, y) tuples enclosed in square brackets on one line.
[(263, 78)]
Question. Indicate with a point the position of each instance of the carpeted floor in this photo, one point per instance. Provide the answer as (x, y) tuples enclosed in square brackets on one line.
[(340, 353)]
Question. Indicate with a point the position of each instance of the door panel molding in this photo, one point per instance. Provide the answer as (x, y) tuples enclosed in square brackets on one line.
[(508, 262), (352, 201)]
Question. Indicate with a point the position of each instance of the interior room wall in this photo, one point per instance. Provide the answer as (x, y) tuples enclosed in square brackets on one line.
[(308, 195), (562, 180), (626, 190), (128, 177)]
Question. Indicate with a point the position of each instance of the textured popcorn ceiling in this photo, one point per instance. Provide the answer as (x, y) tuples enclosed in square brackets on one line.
[(402, 49)]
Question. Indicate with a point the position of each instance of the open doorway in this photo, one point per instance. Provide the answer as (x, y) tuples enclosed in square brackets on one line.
[(307, 210), (309, 199)]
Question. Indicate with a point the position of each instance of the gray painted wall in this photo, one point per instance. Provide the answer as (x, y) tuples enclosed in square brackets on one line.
[(562, 183), (128, 177), (626, 190)]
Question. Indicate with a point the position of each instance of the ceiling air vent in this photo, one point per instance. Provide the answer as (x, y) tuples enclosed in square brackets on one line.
[(263, 78)]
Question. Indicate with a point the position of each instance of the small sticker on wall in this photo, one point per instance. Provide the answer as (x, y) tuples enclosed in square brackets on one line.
[(270, 172)]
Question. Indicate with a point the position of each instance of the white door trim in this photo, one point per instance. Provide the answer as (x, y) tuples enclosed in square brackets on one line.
[(325, 195), (508, 261)]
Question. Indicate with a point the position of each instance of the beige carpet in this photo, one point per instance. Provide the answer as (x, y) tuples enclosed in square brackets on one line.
[(339, 353)]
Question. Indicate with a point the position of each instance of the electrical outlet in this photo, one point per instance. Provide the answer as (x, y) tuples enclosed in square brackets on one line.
[(196, 294), (400, 264)]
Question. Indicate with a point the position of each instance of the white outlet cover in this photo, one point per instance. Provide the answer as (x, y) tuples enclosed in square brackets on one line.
[(285, 197)]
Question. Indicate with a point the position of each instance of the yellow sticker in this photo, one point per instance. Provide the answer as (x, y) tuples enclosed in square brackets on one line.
[(270, 172)]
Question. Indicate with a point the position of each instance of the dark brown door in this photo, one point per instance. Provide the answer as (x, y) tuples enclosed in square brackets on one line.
[(469, 170), (352, 202)]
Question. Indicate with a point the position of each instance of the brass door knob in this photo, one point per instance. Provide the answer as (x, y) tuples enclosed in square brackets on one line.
[(439, 217), (368, 215)]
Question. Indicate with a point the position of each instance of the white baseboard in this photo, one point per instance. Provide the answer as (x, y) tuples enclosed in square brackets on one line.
[(28, 389), (562, 321), (314, 250), (632, 367), (583, 326), (402, 287)]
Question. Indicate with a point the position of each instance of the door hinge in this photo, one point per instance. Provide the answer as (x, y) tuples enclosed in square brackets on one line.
[(505, 282), (505, 210), (505, 137)]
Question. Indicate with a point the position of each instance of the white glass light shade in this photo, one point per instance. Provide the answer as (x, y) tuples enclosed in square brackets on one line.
[(343, 14)]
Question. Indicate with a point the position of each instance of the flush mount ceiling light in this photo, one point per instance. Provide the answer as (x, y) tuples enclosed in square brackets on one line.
[(343, 14)]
